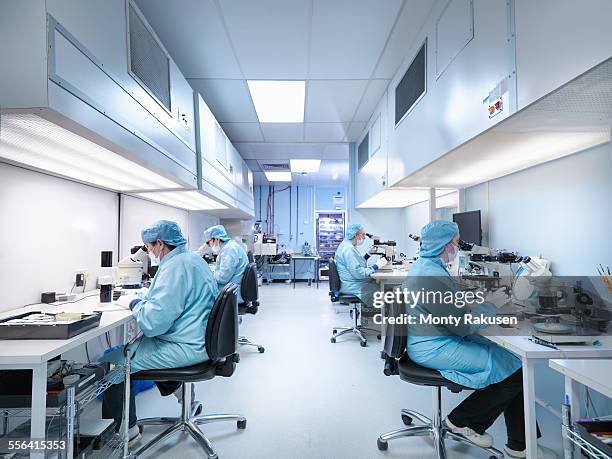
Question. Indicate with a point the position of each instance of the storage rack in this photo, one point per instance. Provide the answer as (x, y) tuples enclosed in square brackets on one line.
[(74, 406), (330, 233), (586, 447)]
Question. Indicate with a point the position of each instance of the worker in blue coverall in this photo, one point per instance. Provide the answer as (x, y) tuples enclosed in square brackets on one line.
[(231, 261), (353, 268), (172, 315), (462, 356)]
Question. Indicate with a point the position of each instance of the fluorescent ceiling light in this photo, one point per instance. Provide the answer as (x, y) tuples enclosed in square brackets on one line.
[(395, 198), (36, 142), (275, 176), (278, 101), (189, 200), (304, 165)]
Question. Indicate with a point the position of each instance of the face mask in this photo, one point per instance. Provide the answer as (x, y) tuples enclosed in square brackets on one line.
[(216, 249), (154, 258), (452, 255), (360, 241)]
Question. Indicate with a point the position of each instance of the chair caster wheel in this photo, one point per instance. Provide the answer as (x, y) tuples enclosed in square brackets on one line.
[(363, 343), (261, 349), (382, 445), (378, 336), (334, 331), (333, 340), (241, 424), (407, 420)]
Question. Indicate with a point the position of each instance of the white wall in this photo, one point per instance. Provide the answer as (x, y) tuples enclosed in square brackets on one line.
[(50, 228), (198, 222), (137, 214), (414, 218), (561, 209)]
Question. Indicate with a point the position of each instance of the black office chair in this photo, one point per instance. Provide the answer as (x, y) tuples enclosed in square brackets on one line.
[(250, 256), (221, 344), (353, 301), (397, 362), (249, 291)]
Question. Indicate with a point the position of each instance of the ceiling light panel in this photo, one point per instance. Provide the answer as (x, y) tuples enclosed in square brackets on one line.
[(36, 142), (305, 165), (278, 101), (188, 200), (273, 176)]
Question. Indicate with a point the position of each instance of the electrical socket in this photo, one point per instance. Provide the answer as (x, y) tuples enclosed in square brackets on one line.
[(80, 277)]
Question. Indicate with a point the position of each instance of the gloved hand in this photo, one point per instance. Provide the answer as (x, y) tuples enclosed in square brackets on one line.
[(125, 300), (497, 298), (381, 262)]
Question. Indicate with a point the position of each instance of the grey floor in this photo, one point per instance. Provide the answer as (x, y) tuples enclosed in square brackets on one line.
[(306, 397)]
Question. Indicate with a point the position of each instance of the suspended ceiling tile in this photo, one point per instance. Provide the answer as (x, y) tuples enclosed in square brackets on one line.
[(410, 21), (355, 130), (243, 132), (325, 132), (193, 34), (270, 36), (348, 36), (333, 100), (283, 132), (229, 100), (370, 100)]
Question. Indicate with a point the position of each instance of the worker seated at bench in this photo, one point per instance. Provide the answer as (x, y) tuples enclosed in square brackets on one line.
[(172, 316)]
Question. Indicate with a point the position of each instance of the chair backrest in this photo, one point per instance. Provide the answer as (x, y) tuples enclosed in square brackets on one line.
[(395, 335), (249, 290), (222, 328), (334, 278), (250, 256)]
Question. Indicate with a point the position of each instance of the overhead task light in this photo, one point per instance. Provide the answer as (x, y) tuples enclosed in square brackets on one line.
[(393, 198), (188, 200), (275, 176), (278, 101), (36, 142), (305, 166)]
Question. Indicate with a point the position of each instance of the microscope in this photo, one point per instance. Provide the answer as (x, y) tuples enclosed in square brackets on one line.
[(385, 249), (133, 269)]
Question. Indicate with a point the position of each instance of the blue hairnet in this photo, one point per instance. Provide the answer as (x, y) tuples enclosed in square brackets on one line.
[(435, 235), (218, 232), (165, 230), (353, 229)]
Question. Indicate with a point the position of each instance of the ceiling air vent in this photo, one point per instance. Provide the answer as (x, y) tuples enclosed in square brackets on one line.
[(149, 63), (276, 167)]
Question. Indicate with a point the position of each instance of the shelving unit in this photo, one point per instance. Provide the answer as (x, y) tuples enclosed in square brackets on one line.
[(66, 417), (586, 447), (330, 233)]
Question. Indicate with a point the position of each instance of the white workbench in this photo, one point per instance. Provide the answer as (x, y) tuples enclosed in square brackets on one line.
[(33, 354), (530, 353), (590, 373)]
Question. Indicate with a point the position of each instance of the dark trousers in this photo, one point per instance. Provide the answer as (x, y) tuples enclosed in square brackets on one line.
[(112, 404), (480, 410)]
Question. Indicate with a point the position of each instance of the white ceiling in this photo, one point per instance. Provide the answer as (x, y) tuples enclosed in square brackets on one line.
[(347, 51)]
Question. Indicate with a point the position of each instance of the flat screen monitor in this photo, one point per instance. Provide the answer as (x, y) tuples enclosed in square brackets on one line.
[(469, 226)]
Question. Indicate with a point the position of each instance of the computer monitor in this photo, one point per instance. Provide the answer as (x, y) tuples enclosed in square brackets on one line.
[(469, 226)]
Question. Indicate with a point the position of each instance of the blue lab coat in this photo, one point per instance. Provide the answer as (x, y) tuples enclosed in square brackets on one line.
[(354, 272), (456, 352), (173, 314), (231, 264)]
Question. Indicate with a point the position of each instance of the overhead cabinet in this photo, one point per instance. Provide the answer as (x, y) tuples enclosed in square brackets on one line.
[(224, 174), (96, 73), (487, 89)]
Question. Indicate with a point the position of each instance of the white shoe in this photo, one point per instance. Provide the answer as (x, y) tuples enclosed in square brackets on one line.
[(178, 393), (484, 441), (543, 453), (134, 434)]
